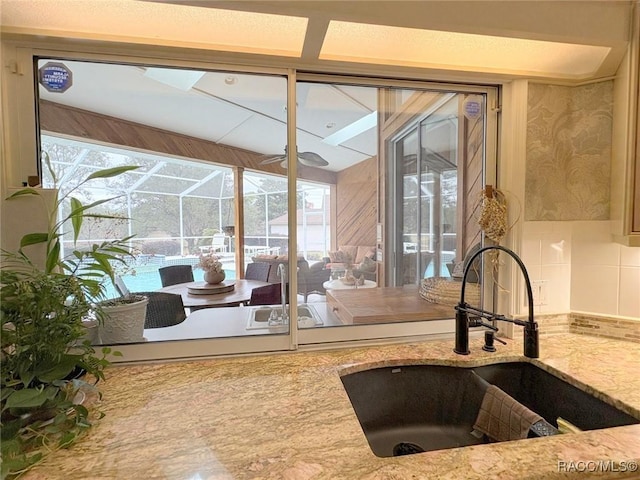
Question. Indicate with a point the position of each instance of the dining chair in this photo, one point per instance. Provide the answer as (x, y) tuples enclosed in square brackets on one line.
[(267, 295), (258, 271), (163, 309), (174, 274)]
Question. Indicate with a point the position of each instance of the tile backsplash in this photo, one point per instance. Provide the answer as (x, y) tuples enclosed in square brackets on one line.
[(581, 270), (605, 327)]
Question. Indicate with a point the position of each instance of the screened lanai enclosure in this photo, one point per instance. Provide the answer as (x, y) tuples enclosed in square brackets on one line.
[(366, 184), (178, 209)]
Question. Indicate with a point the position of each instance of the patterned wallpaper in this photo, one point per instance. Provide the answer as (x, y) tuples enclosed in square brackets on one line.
[(568, 152)]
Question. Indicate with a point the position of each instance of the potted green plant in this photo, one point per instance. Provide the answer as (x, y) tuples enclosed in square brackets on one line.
[(47, 366)]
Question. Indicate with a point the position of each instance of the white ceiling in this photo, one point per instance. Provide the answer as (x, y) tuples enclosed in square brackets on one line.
[(240, 110)]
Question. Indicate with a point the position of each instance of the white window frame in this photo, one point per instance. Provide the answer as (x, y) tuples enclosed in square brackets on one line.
[(21, 149)]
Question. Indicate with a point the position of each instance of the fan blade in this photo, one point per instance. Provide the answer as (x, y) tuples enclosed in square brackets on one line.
[(273, 159), (312, 159)]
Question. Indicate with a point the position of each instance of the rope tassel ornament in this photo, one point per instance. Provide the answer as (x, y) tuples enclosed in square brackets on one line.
[(493, 214)]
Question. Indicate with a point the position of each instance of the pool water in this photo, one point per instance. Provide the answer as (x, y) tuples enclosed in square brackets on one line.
[(149, 281)]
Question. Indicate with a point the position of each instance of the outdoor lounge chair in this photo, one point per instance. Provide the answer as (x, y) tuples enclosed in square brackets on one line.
[(218, 244)]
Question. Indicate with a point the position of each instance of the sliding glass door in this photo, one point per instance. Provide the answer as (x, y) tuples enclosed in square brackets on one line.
[(363, 190), (437, 162)]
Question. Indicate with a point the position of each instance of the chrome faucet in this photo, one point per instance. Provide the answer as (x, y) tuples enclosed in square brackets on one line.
[(463, 309), (283, 292)]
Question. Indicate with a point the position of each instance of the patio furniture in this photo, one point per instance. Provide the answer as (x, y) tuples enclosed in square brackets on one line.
[(241, 293), (268, 295), (121, 287), (274, 261), (409, 268), (164, 310), (362, 260), (310, 278), (218, 244), (174, 274), (258, 271)]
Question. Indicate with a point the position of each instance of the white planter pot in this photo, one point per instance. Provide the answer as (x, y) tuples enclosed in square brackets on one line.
[(124, 323), (91, 331)]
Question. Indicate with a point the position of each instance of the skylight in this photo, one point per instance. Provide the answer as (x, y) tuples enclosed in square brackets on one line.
[(164, 23), (387, 45)]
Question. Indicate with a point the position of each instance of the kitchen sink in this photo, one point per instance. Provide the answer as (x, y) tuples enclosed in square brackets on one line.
[(417, 408), (259, 316)]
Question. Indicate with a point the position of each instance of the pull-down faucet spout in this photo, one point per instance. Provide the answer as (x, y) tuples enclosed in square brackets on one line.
[(283, 292), (463, 309)]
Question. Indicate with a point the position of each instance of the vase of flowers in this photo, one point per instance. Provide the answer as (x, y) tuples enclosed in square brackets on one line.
[(213, 271)]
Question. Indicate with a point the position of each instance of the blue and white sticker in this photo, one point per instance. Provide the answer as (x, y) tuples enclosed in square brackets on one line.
[(55, 77), (472, 107)]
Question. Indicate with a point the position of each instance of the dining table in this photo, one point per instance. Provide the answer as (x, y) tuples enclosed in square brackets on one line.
[(237, 293)]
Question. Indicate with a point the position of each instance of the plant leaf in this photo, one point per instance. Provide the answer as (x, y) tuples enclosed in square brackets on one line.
[(76, 217), (53, 257), (59, 371), (25, 398), (33, 239), (23, 192), (47, 162), (110, 172)]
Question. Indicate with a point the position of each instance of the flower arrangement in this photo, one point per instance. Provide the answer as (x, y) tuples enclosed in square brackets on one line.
[(210, 263)]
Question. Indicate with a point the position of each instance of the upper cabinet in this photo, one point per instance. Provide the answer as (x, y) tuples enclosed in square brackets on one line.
[(625, 172)]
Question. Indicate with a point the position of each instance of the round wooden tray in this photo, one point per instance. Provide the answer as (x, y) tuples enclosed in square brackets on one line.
[(203, 288)]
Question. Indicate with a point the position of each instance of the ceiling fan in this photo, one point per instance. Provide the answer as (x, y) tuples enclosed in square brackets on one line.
[(310, 159)]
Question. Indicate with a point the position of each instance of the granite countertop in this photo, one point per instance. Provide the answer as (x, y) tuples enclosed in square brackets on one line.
[(287, 416)]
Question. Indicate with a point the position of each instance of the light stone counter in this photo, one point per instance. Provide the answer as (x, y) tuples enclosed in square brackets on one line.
[(287, 416)]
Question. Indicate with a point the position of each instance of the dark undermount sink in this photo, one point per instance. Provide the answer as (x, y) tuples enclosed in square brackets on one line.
[(418, 408)]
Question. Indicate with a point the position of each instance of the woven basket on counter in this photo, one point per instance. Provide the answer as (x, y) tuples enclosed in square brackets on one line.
[(446, 291)]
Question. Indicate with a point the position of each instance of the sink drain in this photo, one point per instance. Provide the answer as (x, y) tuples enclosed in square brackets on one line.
[(406, 448)]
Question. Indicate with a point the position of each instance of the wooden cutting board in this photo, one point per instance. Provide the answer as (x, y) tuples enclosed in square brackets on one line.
[(383, 305)]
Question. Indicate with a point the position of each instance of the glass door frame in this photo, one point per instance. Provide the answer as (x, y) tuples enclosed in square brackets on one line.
[(395, 171), (23, 145)]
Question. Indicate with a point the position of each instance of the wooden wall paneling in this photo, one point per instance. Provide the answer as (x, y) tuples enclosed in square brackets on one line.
[(474, 184), (333, 217), (470, 167), (357, 200), (111, 130)]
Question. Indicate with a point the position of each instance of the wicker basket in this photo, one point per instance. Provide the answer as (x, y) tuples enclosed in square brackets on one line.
[(446, 291)]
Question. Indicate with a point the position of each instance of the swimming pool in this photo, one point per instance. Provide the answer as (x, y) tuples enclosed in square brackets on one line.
[(148, 280)]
